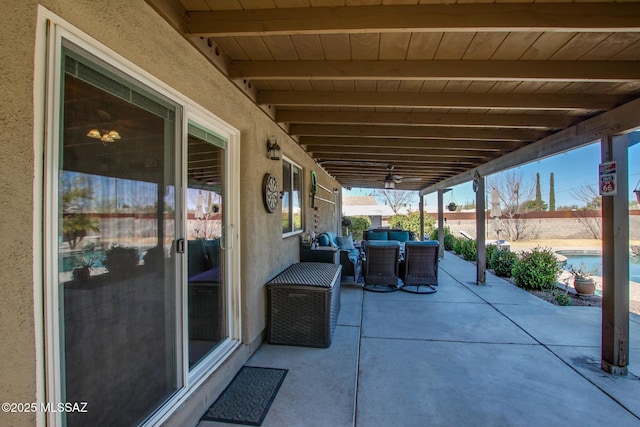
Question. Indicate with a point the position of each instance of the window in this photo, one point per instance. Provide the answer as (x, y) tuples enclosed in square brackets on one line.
[(291, 198)]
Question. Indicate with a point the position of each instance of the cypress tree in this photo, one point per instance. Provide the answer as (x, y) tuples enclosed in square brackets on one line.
[(552, 194), (538, 193)]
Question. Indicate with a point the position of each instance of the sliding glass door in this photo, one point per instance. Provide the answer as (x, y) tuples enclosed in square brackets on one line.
[(141, 287), (116, 259)]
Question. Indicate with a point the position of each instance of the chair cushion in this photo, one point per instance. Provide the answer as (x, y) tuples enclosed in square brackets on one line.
[(424, 243), (383, 243), (400, 236), (377, 235), (345, 243)]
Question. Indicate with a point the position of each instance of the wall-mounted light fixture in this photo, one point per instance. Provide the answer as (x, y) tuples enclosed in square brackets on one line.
[(273, 149)]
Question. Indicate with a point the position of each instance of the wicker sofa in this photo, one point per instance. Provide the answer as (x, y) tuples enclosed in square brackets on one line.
[(349, 254)]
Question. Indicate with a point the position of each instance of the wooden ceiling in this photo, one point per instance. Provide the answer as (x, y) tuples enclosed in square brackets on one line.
[(433, 89)]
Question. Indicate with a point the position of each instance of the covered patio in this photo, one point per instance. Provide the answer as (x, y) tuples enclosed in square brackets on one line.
[(420, 96), (466, 355), (150, 99)]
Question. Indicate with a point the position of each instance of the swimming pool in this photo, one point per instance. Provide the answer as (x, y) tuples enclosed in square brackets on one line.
[(593, 260)]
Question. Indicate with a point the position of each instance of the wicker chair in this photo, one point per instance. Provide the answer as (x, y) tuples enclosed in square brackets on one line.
[(381, 266), (421, 267)]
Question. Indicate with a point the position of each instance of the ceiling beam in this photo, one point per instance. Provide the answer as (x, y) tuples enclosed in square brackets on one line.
[(533, 121), (617, 121), (491, 70), (307, 141), (392, 157), (567, 17), (434, 132), (516, 101), (320, 151)]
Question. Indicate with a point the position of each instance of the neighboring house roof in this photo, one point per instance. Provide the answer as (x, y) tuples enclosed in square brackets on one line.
[(359, 201), (364, 205), (367, 210)]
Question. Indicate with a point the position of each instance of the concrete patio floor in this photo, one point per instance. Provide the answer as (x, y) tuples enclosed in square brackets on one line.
[(468, 355)]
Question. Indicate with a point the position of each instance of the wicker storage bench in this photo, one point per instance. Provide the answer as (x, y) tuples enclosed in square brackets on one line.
[(304, 303)]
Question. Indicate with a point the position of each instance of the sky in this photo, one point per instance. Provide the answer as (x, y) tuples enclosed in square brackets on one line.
[(571, 170)]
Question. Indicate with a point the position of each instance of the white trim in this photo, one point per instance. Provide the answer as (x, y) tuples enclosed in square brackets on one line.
[(45, 246), (40, 91), (302, 203)]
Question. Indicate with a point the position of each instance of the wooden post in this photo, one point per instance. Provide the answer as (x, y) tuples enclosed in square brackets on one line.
[(421, 207), (441, 221), (481, 248), (615, 261)]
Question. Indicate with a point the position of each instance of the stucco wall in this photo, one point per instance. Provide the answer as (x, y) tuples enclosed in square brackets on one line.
[(135, 31), (17, 332)]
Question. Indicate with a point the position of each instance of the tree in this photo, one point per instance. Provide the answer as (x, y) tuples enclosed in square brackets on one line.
[(588, 194), (76, 198), (552, 194), (411, 222), (538, 190), (512, 192), (395, 198), (534, 205)]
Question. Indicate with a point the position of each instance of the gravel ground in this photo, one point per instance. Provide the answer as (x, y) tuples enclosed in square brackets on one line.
[(576, 300)]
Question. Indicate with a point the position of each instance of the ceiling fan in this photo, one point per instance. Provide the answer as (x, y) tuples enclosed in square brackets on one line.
[(391, 180)]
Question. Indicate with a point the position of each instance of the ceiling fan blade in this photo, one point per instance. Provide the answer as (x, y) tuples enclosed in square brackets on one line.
[(412, 179)]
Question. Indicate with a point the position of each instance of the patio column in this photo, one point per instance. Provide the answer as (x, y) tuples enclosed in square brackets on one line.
[(441, 221), (421, 207), (481, 247), (615, 261)]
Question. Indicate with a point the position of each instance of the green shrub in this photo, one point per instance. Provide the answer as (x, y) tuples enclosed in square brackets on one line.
[(468, 248), (563, 298), (358, 225), (491, 249), (537, 269), (456, 245), (449, 239), (411, 222), (502, 262)]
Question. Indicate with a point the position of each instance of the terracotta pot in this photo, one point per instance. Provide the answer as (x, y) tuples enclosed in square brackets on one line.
[(584, 286)]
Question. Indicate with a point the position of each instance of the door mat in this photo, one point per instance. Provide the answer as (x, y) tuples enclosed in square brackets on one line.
[(248, 397)]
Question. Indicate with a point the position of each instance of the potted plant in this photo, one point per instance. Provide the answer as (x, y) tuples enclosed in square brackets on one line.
[(583, 283), (452, 206), (121, 260), (82, 272)]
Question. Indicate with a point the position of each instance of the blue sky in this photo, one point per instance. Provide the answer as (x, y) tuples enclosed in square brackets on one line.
[(573, 169)]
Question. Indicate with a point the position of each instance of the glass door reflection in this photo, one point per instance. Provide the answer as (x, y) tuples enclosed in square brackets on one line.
[(206, 293)]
